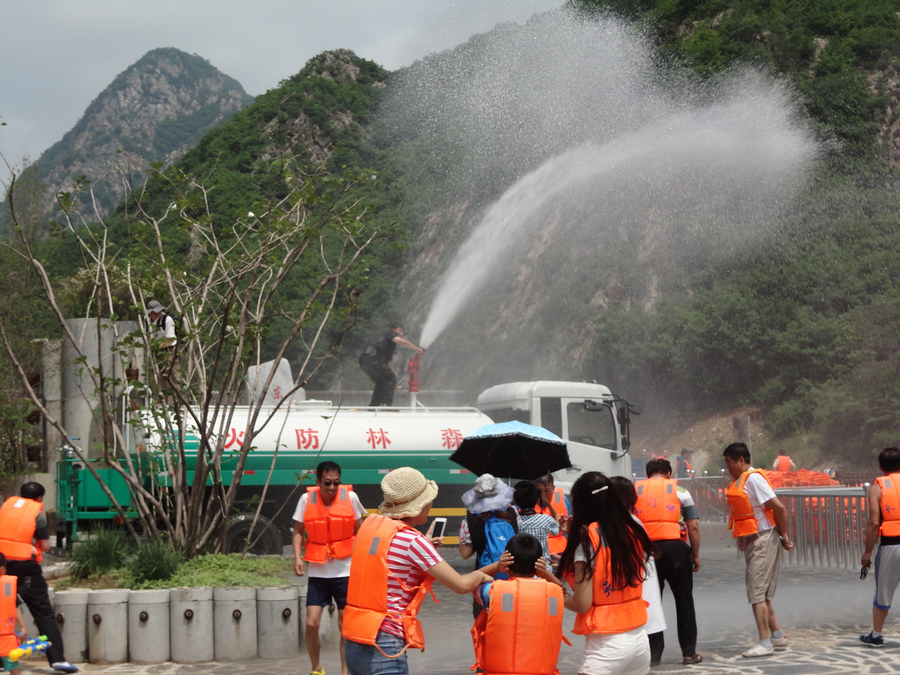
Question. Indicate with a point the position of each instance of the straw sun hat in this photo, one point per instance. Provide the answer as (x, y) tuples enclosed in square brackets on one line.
[(406, 491)]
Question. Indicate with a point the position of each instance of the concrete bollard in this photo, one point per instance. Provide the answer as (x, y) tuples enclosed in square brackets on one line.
[(108, 625), (71, 616), (191, 624), (301, 585), (234, 623), (278, 621), (148, 626), (30, 625)]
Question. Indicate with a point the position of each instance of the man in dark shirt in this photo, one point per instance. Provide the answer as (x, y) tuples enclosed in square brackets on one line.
[(376, 363), (23, 548)]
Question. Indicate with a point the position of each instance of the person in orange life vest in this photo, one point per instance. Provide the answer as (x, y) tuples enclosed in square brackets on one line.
[(759, 524), (554, 502), (393, 568), (604, 562), (11, 619), (330, 515), (522, 630), (656, 619), (884, 522), (683, 467), (783, 463), (660, 506), (23, 540)]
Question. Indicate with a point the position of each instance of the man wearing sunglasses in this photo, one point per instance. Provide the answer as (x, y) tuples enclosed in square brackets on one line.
[(329, 514), (884, 522)]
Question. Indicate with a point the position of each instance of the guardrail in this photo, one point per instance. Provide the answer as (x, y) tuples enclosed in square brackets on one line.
[(827, 524)]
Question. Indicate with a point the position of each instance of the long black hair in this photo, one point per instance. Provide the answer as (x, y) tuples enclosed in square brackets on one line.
[(594, 500)]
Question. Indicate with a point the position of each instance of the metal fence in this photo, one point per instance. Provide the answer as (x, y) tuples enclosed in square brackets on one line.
[(827, 524)]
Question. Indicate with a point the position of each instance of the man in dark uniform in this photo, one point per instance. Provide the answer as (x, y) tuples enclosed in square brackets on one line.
[(376, 363), (23, 540)]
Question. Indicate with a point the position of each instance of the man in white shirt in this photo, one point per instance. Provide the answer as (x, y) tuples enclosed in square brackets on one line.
[(759, 526), (330, 514)]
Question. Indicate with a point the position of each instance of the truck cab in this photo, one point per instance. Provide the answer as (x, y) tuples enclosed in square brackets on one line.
[(589, 417)]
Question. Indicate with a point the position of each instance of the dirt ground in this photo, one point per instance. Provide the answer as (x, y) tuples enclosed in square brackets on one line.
[(705, 435)]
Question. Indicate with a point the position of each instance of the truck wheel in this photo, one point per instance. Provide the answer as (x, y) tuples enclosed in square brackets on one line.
[(265, 534)]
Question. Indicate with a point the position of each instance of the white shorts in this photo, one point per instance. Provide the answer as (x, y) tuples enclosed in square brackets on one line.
[(616, 654)]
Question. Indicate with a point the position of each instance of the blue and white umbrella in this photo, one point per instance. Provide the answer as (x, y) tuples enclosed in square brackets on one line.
[(512, 450)]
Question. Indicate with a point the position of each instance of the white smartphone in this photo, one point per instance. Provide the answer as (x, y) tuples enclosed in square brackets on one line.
[(440, 524)]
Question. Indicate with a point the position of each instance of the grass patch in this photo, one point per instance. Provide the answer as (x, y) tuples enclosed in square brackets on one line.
[(204, 570)]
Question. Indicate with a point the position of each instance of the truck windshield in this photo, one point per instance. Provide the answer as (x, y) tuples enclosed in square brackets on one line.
[(591, 427)]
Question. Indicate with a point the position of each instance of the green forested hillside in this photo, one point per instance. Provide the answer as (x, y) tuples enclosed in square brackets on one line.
[(808, 327), (804, 319)]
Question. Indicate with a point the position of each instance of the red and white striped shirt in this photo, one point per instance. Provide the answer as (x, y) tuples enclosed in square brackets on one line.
[(409, 557)]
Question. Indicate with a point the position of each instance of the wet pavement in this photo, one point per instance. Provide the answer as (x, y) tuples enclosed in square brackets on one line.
[(823, 612)]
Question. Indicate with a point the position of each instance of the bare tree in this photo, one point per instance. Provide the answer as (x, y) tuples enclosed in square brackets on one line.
[(229, 289)]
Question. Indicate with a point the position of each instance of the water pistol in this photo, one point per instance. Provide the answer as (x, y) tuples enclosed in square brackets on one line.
[(29, 648)]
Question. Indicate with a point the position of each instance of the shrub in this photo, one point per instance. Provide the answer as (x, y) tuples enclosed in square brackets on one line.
[(154, 560), (105, 550)]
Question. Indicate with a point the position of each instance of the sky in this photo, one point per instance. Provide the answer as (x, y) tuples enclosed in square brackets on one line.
[(56, 56)]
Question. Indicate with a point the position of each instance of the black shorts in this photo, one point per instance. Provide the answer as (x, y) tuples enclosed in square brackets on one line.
[(321, 591)]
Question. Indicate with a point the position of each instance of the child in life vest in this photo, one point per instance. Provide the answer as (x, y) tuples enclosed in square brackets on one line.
[(604, 562), (521, 630), (10, 617)]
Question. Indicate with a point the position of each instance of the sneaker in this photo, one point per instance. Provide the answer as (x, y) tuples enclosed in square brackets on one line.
[(780, 643), (690, 660), (758, 650), (871, 641), (64, 667)]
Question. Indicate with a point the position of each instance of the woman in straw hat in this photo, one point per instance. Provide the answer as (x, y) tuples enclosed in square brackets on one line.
[(392, 569)]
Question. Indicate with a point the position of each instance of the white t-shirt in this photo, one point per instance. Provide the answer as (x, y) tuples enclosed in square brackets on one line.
[(337, 567), (757, 488)]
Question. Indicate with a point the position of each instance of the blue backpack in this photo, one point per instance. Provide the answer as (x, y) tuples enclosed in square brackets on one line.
[(490, 536)]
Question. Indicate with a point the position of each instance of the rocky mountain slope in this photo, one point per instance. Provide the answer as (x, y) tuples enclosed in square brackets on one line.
[(154, 111)]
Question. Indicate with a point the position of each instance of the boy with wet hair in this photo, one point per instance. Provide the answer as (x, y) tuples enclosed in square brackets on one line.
[(521, 628), (540, 525)]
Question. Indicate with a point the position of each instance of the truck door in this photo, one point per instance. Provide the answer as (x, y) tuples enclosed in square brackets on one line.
[(592, 433)]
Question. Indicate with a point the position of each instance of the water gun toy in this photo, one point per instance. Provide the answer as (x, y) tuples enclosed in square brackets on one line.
[(29, 648)]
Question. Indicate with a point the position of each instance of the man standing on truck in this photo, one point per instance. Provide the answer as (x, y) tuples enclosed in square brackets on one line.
[(23, 540), (329, 514), (759, 526), (376, 363), (660, 505)]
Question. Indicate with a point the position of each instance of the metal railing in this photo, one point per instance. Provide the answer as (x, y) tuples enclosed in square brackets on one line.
[(827, 524)]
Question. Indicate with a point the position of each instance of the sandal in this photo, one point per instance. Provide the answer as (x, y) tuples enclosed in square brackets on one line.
[(689, 660)]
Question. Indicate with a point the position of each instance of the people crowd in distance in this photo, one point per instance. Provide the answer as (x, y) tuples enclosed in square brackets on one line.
[(604, 552)]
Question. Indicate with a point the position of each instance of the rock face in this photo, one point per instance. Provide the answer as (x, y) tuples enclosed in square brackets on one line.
[(154, 111)]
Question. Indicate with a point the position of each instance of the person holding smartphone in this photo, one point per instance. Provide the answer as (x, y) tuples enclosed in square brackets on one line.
[(330, 515)]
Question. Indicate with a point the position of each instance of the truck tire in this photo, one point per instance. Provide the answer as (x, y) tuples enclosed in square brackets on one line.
[(266, 535)]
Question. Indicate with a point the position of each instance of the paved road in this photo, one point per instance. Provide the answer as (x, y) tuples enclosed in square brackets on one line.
[(823, 612)]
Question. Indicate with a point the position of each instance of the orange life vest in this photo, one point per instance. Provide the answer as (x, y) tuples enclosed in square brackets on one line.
[(613, 610), (330, 530), (17, 526), (658, 507), (783, 463), (367, 590), (8, 639), (556, 543), (742, 521), (522, 630), (890, 504)]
